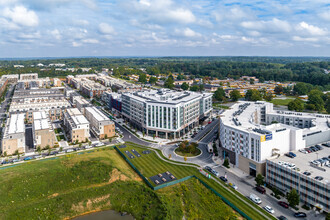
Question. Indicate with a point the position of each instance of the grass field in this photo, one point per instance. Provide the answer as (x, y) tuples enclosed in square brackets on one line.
[(150, 165), (218, 105), (284, 102), (98, 180)]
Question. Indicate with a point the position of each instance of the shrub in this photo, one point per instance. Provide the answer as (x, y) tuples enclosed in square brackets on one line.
[(226, 163)]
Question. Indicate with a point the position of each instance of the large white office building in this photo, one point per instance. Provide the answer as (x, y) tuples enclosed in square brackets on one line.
[(165, 113), (251, 132)]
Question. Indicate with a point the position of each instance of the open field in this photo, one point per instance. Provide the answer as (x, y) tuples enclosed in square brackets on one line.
[(150, 165), (284, 101), (100, 179)]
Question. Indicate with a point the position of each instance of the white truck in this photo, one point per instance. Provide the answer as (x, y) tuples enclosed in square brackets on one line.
[(255, 199)]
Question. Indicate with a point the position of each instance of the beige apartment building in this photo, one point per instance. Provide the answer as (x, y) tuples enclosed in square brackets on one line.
[(14, 135), (101, 125), (43, 132), (76, 125)]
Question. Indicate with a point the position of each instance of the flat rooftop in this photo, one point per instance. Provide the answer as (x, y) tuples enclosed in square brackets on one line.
[(16, 124), (241, 116), (302, 161), (73, 111), (166, 96), (41, 124), (39, 115), (97, 114)]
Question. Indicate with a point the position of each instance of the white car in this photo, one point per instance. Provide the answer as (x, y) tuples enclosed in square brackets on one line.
[(255, 199), (99, 144), (88, 147), (269, 209), (233, 186)]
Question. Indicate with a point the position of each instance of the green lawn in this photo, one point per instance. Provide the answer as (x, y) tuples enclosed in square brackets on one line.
[(60, 137), (96, 180), (150, 165), (58, 130), (218, 105), (284, 102)]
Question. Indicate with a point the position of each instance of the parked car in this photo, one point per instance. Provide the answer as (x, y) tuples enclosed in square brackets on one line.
[(289, 155), (308, 150), (282, 218), (215, 173), (223, 179), (4, 162), (307, 173), (255, 199), (38, 156), (15, 160), (209, 122), (269, 209), (233, 186), (53, 153), (208, 168), (99, 144), (283, 204), (261, 189), (303, 151), (318, 147), (300, 215), (28, 158), (88, 146), (319, 178), (69, 150)]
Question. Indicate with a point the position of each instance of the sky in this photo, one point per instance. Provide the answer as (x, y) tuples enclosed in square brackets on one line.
[(75, 28)]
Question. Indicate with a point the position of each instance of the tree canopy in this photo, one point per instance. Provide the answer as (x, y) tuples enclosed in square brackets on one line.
[(235, 95), (253, 95)]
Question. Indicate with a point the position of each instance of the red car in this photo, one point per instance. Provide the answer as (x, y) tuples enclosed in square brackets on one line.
[(210, 122), (283, 204)]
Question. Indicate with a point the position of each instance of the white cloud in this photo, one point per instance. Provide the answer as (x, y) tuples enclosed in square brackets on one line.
[(274, 25), (325, 15), (311, 29), (107, 29), (181, 15), (232, 14), (305, 39), (187, 32), (21, 16), (35, 35), (76, 44), (90, 41), (56, 34), (81, 22), (159, 11)]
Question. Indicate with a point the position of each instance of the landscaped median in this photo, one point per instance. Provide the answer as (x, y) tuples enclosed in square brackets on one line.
[(150, 164)]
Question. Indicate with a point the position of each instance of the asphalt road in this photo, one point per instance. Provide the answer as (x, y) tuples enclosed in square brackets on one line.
[(128, 136), (207, 128)]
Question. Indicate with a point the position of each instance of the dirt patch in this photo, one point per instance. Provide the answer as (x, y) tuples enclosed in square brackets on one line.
[(53, 195), (117, 175), (83, 207)]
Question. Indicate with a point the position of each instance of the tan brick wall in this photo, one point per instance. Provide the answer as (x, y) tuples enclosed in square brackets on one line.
[(109, 130), (244, 165), (78, 135), (12, 143), (47, 138)]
